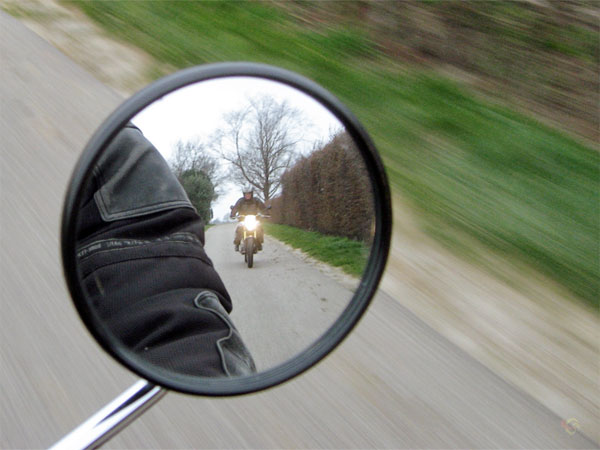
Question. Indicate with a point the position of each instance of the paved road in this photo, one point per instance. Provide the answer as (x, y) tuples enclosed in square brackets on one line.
[(283, 303), (394, 383)]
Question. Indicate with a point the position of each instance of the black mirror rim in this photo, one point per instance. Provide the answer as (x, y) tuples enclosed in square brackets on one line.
[(342, 326)]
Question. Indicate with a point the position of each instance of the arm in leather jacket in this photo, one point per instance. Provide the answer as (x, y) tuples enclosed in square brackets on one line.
[(236, 208), (141, 252)]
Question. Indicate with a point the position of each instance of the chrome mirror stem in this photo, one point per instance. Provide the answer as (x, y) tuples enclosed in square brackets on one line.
[(111, 419)]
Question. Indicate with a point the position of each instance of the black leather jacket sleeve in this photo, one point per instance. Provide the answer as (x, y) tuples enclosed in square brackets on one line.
[(142, 260)]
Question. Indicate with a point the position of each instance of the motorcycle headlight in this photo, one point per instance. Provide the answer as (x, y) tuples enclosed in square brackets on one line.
[(250, 223)]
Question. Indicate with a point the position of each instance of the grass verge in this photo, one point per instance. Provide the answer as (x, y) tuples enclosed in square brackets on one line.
[(350, 256), (523, 189)]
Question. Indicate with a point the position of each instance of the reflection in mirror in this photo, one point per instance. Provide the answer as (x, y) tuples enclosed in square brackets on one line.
[(288, 208)]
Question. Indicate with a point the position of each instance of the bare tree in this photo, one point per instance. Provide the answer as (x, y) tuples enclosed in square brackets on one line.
[(199, 174), (194, 156), (259, 142)]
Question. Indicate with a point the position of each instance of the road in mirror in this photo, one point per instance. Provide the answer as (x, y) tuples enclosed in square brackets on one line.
[(271, 152)]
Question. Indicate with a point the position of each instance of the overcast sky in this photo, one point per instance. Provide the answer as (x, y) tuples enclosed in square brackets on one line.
[(195, 113)]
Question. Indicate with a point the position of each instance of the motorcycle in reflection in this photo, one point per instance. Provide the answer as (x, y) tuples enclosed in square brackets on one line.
[(250, 243)]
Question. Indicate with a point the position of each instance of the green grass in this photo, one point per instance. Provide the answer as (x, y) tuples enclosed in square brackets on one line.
[(349, 255), (525, 190)]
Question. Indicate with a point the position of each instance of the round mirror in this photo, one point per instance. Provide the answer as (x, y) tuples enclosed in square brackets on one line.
[(225, 228)]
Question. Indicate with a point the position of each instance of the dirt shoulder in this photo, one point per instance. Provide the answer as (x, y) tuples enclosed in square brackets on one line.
[(529, 331)]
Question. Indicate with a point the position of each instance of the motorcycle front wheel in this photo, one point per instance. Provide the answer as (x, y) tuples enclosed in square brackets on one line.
[(250, 251)]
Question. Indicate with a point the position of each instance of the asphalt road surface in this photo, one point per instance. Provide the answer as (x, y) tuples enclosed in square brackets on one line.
[(394, 383), (283, 303)]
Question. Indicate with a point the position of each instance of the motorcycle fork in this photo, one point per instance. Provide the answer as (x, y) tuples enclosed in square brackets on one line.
[(246, 235)]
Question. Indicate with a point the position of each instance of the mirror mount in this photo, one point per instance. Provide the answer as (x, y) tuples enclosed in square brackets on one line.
[(112, 418)]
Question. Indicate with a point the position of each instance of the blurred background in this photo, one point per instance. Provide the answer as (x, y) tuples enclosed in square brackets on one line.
[(486, 115)]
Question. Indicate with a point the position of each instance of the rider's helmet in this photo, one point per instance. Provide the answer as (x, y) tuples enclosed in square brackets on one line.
[(248, 190)]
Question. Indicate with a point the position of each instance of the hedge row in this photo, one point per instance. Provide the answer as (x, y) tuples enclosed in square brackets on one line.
[(329, 192)]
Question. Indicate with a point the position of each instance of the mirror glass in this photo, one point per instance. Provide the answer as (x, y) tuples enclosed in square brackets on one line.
[(225, 228)]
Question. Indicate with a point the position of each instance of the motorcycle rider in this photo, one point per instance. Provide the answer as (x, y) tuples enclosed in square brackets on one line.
[(248, 204), (140, 250)]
